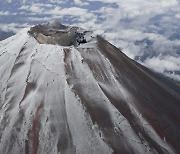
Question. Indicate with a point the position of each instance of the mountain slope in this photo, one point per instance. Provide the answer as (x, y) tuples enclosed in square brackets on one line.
[(81, 98)]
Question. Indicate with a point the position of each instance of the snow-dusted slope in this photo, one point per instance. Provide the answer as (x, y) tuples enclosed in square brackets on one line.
[(83, 99)]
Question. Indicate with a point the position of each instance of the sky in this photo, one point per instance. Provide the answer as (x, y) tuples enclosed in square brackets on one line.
[(148, 31)]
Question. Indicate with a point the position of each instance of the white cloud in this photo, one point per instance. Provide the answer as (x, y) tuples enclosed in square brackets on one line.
[(9, 1), (36, 8), (58, 12), (13, 27), (4, 13), (74, 11), (58, 1), (42, 19), (79, 2), (164, 64), (44, 5), (24, 7), (104, 1), (177, 16)]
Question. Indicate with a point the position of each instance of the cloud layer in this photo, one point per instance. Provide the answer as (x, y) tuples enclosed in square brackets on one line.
[(147, 31)]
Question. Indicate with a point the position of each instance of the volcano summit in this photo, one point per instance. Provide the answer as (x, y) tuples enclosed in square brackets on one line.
[(65, 90)]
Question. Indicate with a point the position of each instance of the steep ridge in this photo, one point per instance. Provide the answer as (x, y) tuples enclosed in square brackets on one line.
[(84, 97)]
